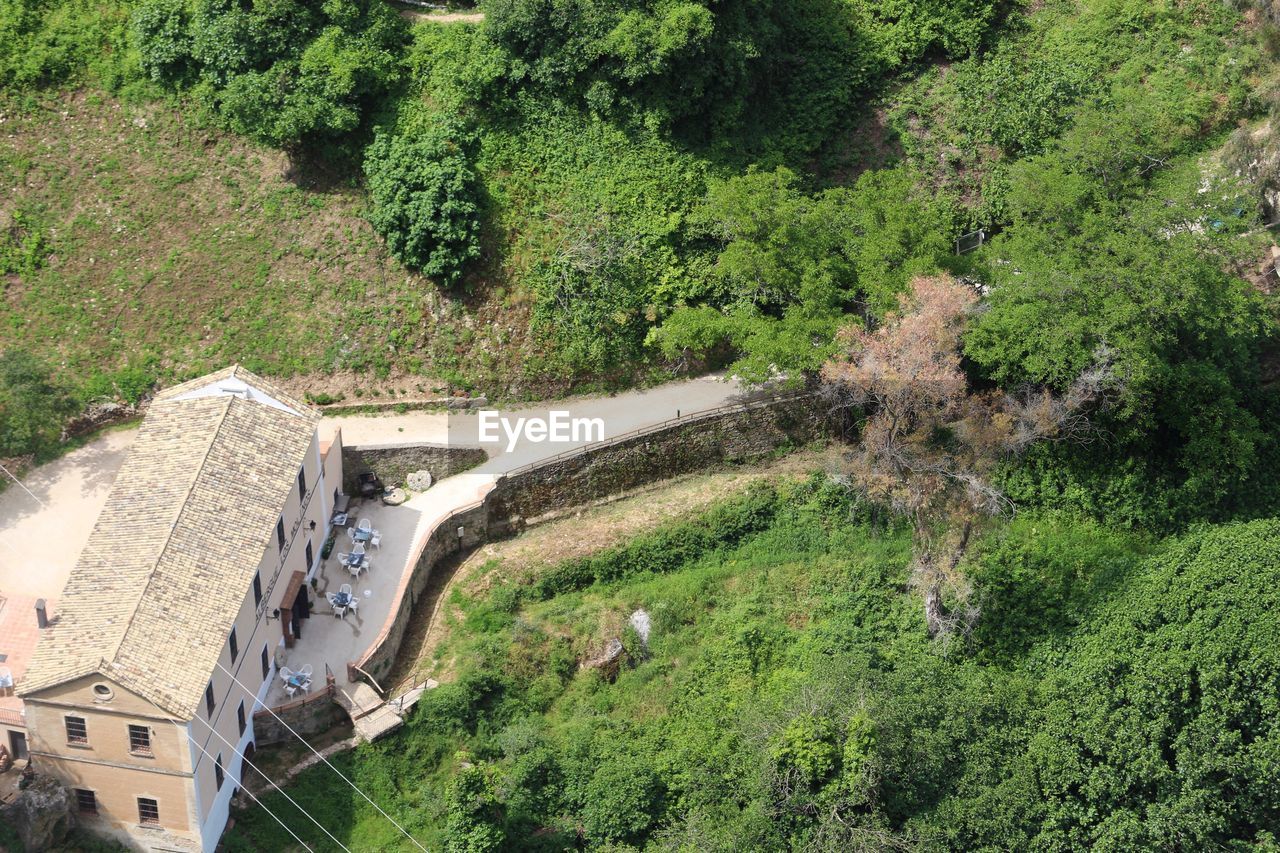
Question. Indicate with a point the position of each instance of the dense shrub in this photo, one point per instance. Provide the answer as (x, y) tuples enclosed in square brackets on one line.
[(424, 197), (33, 405), (293, 74), (50, 42)]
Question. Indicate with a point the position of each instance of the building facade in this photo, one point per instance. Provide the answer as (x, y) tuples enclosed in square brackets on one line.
[(140, 696)]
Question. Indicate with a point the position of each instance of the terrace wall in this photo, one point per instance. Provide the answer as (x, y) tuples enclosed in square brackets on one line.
[(393, 463), (308, 715)]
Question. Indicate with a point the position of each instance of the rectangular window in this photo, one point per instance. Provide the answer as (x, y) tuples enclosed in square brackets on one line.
[(266, 662), (311, 557), (209, 704), (217, 772), (232, 645), (77, 731), (86, 801), (280, 535), (257, 590), (148, 812), (240, 717), (302, 482), (139, 740)]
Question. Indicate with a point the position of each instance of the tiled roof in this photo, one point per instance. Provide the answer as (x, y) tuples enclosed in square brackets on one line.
[(194, 508)]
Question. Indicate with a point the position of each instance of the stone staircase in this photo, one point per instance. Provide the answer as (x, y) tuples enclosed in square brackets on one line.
[(370, 715)]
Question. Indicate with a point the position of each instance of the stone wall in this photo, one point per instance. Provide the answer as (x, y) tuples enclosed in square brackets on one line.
[(309, 715), (734, 437), (392, 463)]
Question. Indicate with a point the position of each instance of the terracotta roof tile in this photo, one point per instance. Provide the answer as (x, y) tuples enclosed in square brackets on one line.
[(158, 585)]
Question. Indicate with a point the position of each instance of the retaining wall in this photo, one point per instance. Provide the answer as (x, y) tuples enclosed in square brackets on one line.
[(734, 437), (442, 542), (308, 715), (393, 463)]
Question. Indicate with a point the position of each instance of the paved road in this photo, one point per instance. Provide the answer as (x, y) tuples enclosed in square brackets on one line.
[(620, 413)]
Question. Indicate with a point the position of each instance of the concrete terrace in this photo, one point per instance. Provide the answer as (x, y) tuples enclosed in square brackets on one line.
[(328, 640), (44, 524)]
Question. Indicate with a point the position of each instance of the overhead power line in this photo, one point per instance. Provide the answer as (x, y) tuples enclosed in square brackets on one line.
[(303, 741)]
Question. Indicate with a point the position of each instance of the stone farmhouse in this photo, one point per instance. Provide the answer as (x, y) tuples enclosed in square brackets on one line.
[(140, 695)]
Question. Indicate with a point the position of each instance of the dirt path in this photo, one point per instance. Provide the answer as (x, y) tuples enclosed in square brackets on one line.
[(439, 17), (569, 535)]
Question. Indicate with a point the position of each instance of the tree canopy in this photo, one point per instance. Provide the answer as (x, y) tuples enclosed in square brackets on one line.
[(291, 73)]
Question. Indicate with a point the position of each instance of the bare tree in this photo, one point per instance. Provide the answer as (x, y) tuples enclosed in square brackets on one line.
[(930, 444)]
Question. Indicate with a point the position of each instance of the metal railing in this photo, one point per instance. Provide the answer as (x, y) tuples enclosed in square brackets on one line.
[(694, 417)]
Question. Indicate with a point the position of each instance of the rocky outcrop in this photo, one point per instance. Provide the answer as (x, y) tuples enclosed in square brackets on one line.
[(609, 661), (41, 814)]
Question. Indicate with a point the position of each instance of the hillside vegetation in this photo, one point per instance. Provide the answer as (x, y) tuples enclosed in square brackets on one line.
[(604, 193), (1120, 693), (1062, 443)]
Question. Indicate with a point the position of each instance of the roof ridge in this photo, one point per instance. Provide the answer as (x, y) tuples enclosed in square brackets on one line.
[(168, 539)]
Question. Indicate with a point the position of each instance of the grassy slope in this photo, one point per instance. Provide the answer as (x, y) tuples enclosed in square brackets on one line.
[(177, 245)]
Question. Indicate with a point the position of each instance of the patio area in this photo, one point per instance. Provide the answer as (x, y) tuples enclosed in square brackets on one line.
[(329, 640)]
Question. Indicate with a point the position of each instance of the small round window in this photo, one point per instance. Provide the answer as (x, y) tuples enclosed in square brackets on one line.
[(102, 692)]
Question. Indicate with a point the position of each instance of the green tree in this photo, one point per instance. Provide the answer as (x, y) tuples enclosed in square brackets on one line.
[(33, 405), (621, 799), (291, 73), (792, 267), (424, 197), (474, 822)]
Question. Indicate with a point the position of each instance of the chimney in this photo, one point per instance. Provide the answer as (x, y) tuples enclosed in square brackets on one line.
[(42, 617)]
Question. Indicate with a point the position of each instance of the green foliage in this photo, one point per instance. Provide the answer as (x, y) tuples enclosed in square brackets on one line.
[(792, 267), (293, 73), (51, 42), (620, 800), (33, 405), (1102, 254), (24, 246), (665, 550), (1120, 694), (474, 821), (423, 192), (1162, 727)]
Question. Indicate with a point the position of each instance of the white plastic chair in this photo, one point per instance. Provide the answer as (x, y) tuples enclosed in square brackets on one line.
[(365, 524), (376, 539), (339, 610), (285, 674), (345, 589), (358, 549), (306, 671)]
